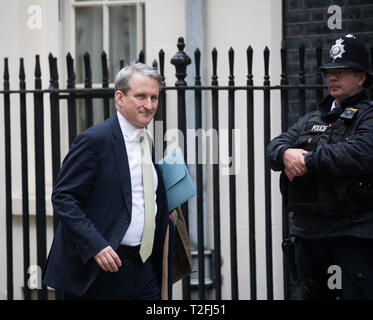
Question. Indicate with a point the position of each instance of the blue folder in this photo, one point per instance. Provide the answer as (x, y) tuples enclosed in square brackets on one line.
[(179, 185)]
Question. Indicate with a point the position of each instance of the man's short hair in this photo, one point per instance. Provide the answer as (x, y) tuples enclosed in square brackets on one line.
[(122, 79)]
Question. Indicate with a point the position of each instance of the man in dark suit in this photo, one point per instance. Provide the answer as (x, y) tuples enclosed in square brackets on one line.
[(102, 199)]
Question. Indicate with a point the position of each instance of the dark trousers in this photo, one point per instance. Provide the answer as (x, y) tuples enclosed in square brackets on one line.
[(337, 268), (134, 281)]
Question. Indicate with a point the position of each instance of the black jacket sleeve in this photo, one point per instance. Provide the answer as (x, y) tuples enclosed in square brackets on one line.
[(351, 157), (74, 182), (277, 147)]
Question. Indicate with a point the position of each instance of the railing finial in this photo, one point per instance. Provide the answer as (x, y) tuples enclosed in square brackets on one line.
[(181, 61)]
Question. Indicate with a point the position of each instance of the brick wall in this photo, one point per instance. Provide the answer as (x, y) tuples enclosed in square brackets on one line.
[(306, 22)]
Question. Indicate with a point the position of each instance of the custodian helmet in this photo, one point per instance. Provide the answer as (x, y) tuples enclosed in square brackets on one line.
[(349, 52)]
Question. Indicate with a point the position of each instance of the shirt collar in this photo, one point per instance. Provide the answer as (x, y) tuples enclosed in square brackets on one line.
[(128, 129), (325, 104), (334, 105)]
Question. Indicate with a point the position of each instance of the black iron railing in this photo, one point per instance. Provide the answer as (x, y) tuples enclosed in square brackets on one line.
[(87, 94)]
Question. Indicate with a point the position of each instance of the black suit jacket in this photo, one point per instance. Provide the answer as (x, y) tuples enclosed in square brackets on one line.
[(93, 200)]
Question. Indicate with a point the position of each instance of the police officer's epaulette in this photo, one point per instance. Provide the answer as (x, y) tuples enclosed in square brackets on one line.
[(350, 112)]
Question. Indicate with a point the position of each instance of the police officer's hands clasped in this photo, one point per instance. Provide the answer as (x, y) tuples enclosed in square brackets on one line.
[(108, 260), (294, 163)]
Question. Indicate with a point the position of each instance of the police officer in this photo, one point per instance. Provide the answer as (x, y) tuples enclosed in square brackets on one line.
[(326, 160)]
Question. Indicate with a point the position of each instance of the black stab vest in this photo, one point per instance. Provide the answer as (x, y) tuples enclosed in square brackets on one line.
[(325, 193)]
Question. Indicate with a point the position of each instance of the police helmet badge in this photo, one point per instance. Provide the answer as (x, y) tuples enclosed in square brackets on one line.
[(337, 49)]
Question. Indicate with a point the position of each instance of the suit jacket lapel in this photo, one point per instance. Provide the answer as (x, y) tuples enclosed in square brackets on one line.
[(120, 153)]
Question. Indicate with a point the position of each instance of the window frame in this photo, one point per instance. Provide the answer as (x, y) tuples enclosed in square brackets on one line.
[(106, 4)]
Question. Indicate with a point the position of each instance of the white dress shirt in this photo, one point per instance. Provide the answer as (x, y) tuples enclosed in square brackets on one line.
[(334, 105), (131, 138)]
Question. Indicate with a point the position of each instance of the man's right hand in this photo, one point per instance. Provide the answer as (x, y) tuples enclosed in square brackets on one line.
[(294, 163), (108, 260)]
